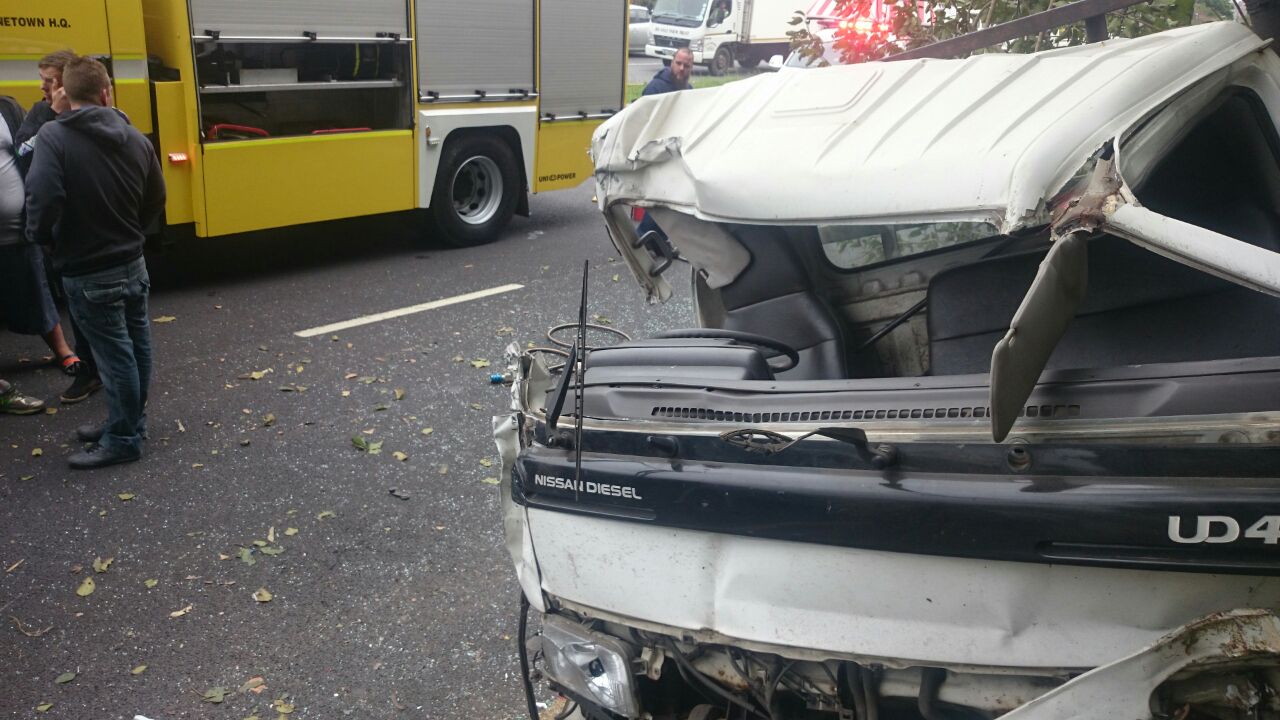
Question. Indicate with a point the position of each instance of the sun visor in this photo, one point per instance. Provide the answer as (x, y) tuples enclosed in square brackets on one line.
[(713, 252)]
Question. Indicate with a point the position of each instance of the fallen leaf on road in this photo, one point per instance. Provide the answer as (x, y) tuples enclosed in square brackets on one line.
[(151, 582), (163, 319), (428, 431), (214, 695), (486, 462), (346, 393), (399, 393), (443, 469), (271, 534), (262, 595), (350, 376), (399, 456), (246, 556), (360, 443), (282, 707), (24, 478), (36, 452), (506, 330), (65, 678), (255, 685), (51, 411), (180, 613), (291, 531), (325, 514), (86, 588), (181, 428), (375, 447), (126, 497), (15, 566), (197, 466), (366, 379), (380, 408), (616, 278), (255, 374), (245, 442), (44, 707), (138, 670), (268, 420), (480, 363), (489, 480), (260, 543), (100, 565)]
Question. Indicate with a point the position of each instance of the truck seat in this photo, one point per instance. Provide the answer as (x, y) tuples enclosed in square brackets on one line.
[(1139, 308), (773, 296)]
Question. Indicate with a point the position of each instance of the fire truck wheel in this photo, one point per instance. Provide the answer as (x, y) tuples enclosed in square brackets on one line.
[(748, 59), (723, 61), (476, 190)]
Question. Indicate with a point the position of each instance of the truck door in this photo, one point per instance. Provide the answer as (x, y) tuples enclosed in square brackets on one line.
[(583, 48), (305, 110)]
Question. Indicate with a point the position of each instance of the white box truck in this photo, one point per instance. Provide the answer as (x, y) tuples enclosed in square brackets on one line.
[(720, 32)]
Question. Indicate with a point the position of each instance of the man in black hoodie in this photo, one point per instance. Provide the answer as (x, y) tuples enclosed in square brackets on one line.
[(95, 184)]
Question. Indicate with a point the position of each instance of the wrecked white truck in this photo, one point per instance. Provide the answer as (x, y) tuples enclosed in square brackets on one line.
[(982, 417)]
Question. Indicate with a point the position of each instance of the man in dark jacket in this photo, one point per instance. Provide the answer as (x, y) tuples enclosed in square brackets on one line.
[(95, 183), (78, 364), (676, 77)]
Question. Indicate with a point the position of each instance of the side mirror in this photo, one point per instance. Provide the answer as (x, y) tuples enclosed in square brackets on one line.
[(775, 62)]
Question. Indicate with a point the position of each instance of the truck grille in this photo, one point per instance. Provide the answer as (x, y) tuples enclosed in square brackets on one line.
[(671, 42)]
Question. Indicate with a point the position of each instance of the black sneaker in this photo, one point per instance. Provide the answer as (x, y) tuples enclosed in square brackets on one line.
[(82, 387), (98, 456)]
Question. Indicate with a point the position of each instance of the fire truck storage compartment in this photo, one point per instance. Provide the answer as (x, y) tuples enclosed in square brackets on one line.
[(300, 67), (270, 89)]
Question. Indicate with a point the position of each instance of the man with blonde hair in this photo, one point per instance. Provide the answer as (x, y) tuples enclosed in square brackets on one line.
[(94, 185)]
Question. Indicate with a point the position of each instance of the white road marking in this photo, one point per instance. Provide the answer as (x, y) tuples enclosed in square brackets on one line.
[(379, 317)]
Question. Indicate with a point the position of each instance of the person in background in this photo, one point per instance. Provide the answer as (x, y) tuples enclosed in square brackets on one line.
[(26, 305), (95, 183), (674, 78), (79, 364), (13, 402), (668, 79)]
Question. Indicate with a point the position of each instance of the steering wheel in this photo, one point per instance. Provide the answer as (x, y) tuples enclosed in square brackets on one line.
[(791, 357)]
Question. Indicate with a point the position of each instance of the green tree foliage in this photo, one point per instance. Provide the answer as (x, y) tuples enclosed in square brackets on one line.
[(913, 23)]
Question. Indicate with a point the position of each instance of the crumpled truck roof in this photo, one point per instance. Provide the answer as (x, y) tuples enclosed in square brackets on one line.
[(989, 138)]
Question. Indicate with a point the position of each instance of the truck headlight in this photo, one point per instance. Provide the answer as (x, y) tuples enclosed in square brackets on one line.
[(591, 665), (695, 45)]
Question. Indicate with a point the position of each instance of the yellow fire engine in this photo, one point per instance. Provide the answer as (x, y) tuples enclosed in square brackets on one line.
[(267, 114)]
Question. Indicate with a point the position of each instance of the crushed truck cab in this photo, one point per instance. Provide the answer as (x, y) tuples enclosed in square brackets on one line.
[(981, 418)]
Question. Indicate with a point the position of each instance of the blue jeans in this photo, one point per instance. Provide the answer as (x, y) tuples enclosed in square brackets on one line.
[(110, 307)]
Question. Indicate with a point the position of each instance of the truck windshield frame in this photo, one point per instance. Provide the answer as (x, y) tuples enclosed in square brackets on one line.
[(681, 12)]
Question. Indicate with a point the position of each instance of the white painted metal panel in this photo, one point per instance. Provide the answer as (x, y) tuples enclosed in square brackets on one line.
[(484, 45), (770, 20), (583, 51), (913, 608), (982, 139), (291, 19), (436, 123)]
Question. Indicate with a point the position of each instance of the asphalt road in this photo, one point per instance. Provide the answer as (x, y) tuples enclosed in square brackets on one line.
[(381, 606)]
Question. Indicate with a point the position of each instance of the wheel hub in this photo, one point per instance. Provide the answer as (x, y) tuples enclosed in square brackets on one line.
[(477, 190)]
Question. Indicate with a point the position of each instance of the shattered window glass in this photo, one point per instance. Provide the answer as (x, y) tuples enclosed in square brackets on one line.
[(855, 246)]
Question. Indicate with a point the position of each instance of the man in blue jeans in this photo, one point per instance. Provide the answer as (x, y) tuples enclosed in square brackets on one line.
[(95, 184)]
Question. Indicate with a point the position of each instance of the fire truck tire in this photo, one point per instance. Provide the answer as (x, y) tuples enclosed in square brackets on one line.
[(477, 186), (748, 59), (723, 61)]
